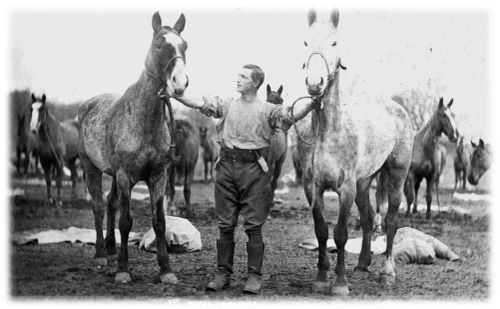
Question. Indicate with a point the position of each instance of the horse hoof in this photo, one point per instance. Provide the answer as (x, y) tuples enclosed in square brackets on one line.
[(169, 278), (340, 290), (122, 277), (101, 262), (387, 280), (359, 274), (321, 287)]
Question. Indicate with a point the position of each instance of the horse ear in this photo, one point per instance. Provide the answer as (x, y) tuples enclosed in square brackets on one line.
[(311, 16), (280, 89), (43, 98), (334, 17), (473, 144), (33, 98), (441, 103), (180, 23), (268, 88), (156, 22), (481, 143), (449, 104)]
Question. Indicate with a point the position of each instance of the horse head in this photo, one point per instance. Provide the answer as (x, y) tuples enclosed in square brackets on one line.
[(274, 96), (480, 161), (167, 55), (39, 112), (446, 121), (323, 58)]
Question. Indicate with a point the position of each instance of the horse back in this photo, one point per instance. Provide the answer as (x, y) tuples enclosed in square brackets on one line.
[(92, 117), (71, 136)]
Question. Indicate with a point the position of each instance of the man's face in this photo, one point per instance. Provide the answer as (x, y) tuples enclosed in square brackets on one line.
[(245, 83)]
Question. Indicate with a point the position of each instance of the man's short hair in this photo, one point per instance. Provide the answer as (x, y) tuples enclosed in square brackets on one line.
[(257, 74)]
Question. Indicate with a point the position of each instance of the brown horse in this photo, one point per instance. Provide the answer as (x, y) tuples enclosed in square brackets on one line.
[(426, 159), (57, 145), (210, 152), (25, 141), (278, 148), (128, 138), (353, 143), (461, 163), (186, 150), (480, 161)]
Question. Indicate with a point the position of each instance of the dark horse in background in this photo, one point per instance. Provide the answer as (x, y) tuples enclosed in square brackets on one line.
[(278, 147), (127, 137), (480, 161), (210, 152), (461, 163), (426, 159), (25, 142), (57, 145), (353, 142), (182, 164)]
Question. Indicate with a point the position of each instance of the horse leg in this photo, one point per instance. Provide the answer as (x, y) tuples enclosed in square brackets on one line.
[(340, 234), (94, 185), (418, 180), (321, 283), (74, 175), (409, 193), (188, 180), (47, 171), (428, 196), (59, 177), (205, 166), (436, 184), (457, 179), (380, 199), (396, 177), (124, 186), (366, 213), (112, 203), (464, 179), (170, 192), (156, 184)]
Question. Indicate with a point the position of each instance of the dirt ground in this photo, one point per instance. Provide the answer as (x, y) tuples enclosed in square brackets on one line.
[(59, 271)]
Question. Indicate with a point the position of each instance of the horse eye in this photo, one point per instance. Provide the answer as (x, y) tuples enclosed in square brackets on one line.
[(305, 43), (334, 43), (303, 66)]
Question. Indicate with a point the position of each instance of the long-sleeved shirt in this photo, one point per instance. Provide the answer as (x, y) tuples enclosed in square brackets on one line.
[(244, 125)]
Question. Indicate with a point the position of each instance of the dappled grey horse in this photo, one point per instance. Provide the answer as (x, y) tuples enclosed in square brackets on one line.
[(128, 138), (354, 141)]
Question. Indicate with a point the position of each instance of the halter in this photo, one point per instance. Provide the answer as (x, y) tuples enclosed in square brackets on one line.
[(163, 95)]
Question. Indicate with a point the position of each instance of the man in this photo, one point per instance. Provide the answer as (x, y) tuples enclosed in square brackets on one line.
[(242, 182)]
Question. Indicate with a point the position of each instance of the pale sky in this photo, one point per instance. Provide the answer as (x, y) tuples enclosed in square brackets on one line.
[(74, 55)]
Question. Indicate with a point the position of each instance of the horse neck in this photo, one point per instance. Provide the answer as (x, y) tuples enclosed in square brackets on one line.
[(144, 104), (430, 134), (330, 116), (48, 130)]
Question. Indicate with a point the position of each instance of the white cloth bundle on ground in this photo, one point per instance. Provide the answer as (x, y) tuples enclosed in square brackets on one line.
[(410, 246), (181, 236)]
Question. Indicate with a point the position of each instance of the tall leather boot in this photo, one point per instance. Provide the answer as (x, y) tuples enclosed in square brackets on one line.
[(255, 256), (225, 254)]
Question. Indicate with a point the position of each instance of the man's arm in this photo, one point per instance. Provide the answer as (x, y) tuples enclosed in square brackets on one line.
[(211, 107)]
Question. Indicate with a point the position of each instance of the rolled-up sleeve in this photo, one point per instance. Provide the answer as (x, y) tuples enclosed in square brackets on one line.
[(214, 106)]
